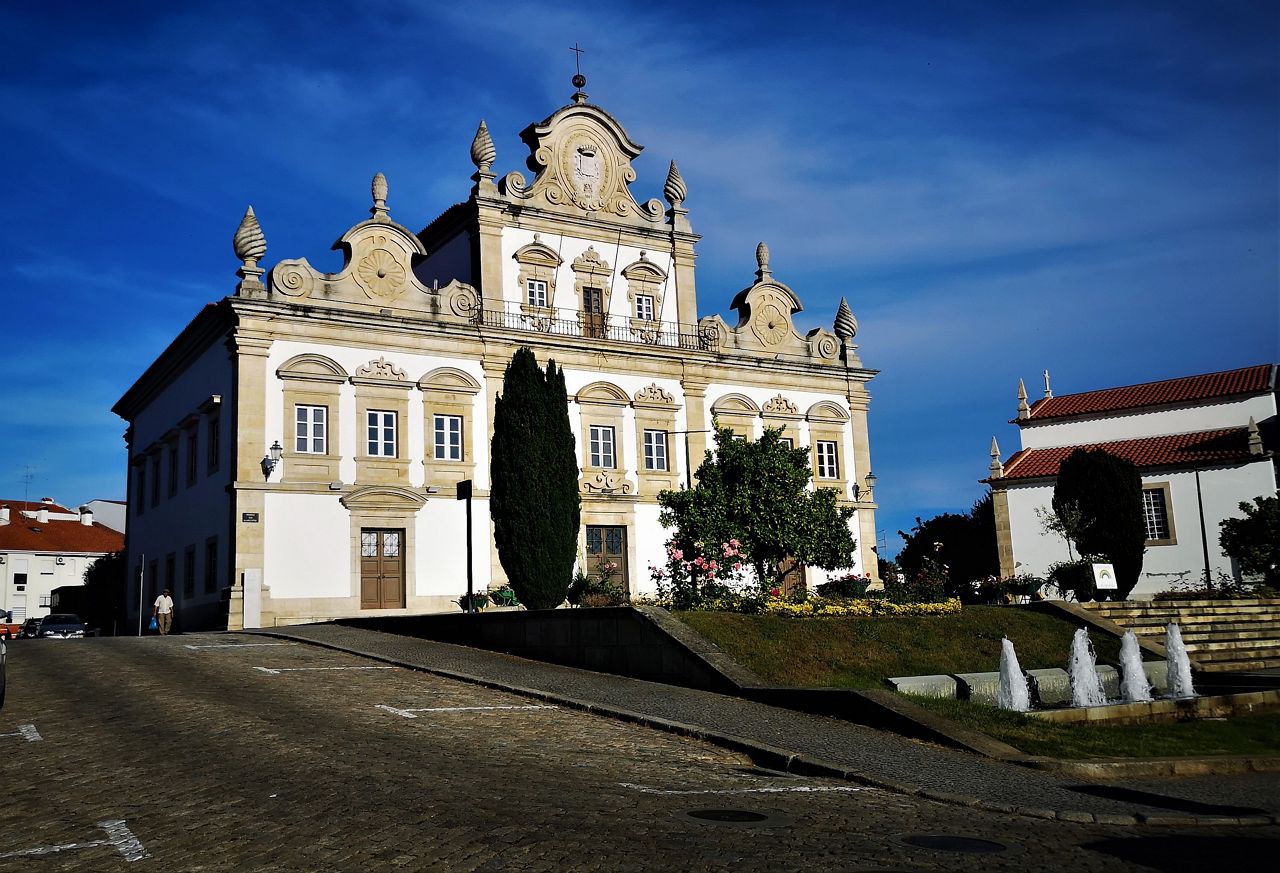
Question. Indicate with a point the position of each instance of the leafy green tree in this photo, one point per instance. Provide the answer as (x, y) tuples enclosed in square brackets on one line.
[(964, 544), (1099, 497), (1254, 540), (534, 469), (755, 492)]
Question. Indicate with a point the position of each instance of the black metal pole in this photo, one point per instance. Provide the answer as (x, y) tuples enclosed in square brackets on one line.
[(1204, 536), (471, 585)]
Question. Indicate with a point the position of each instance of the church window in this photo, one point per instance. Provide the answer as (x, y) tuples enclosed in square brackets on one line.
[(310, 429), (644, 307), (537, 292), (1156, 515), (828, 460), (448, 437), (381, 426), (602, 455), (655, 450)]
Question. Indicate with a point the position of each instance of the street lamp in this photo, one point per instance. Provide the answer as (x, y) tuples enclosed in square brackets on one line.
[(270, 461)]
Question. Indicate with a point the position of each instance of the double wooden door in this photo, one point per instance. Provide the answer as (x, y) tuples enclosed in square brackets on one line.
[(381, 568), (593, 312), (607, 545)]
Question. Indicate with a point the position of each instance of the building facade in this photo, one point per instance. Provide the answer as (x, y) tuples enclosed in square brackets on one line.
[(44, 546), (1203, 444), (376, 386)]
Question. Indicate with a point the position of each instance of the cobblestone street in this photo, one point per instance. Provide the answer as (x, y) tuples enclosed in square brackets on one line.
[(224, 752)]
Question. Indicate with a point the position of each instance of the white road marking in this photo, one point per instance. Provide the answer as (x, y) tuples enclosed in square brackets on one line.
[(118, 835), (236, 645), (301, 669), (409, 712), (767, 790), (27, 731)]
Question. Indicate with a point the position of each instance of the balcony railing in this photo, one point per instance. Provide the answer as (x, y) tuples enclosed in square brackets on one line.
[(610, 328)]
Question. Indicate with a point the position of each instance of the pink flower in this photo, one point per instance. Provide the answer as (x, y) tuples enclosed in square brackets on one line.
[(677, 554), (737, 566), (734, 543)]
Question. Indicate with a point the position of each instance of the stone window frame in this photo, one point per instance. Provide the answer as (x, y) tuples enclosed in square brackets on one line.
[(738, 412), (644, 279), (449, 391), (655, 409), (393, 507), (590, 270), (538, 262), (211, 566), (1163, 489), (189, 571), (603, 404), (827, 466), (381, 386), (310, 379), (828, 423)]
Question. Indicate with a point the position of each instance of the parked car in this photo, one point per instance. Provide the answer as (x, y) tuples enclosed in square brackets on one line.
[(63, 626), (30, 628)]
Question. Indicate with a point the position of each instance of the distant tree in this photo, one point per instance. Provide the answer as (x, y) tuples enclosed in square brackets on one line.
[(534, 471), (103, 597), (964, 544), (1254, 540), (1100, 496), (755, 491)]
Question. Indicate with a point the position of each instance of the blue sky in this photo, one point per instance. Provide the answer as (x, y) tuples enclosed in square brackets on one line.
[(998, 188)]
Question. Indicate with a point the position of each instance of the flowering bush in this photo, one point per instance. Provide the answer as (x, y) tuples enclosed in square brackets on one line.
[(824, 606), (848, 586), (706, 578)]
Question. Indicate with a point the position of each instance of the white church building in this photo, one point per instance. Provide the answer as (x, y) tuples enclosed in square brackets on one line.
[(1202, 445), (294, 454)]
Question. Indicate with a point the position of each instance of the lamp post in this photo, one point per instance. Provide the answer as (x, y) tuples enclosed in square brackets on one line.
[(464, 493), (269, 461)]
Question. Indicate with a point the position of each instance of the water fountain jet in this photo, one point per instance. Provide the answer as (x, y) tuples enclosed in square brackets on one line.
[(1012, 693), (1179, 663), (1086, 687), (1134, 688)]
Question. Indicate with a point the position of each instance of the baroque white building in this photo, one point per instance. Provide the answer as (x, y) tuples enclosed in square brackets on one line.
[(376, 384), (1198, 442)]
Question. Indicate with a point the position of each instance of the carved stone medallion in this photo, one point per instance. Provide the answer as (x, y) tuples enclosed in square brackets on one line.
[(380, 274)]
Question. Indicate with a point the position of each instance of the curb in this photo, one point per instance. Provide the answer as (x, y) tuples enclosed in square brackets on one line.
[(787, 761)]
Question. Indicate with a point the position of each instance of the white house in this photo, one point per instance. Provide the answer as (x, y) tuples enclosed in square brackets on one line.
[(374, 385), (44, 546), (1202, 445)]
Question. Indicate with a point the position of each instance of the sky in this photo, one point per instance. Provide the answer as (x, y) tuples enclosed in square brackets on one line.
[(998, 188)]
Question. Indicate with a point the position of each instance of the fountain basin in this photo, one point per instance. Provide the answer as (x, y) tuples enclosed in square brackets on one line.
[(979, 687), (1166, 709), (1053, 686)]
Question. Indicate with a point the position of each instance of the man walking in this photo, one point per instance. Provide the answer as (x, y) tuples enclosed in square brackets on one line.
[(162, 612)]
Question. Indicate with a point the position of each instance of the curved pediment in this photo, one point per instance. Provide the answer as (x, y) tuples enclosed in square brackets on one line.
[(735, 404), (825, 410), (385, 497), (449, 379), (311, 367), (603, 393), (538, 254)]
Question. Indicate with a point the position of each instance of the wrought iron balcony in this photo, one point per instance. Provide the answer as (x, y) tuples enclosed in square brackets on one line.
[(610, 328)]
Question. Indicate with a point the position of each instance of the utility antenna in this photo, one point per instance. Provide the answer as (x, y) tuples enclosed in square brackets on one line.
[(26, 484)]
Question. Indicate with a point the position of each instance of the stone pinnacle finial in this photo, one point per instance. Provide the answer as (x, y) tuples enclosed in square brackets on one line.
[(249, 243), (1024, 411), (1048, 392), (762, 262), (846, 326), (379, 189), (675, 190), (1255, 437), (483, 154), (996, 468)]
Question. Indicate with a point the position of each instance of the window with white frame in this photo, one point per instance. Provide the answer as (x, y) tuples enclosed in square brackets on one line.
[(448, 431), (788, 442), (536, 292), (828, 460), (655, 450), (1155, 513), (381, 433), (310, 429), (601, 439), (644, 307)]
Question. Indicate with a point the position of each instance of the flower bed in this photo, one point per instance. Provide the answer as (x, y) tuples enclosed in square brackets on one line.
[(814, 606)]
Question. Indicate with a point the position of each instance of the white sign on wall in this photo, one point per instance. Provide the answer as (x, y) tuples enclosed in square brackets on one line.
[(1104, 577)]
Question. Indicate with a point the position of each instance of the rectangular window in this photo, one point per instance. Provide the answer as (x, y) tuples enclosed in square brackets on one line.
[(155, 480), (211, 565), (788, 442), (448, 437), (153, 581), (655, 450), (173, 468), (1155, 512), (828, 460), (381, 433), (189, 572), (537, 292), (602, 447), (644, 307), (171, 572), (211, 445), (310, 433), (193, 455), (141, 500)]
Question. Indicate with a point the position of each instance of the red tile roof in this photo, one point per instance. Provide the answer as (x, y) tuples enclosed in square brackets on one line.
[(1203, 449), (27, 535), (17, 506), (1228, 383)]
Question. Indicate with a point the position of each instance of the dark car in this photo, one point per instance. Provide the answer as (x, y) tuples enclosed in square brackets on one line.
[(30, 628), (61, 626)]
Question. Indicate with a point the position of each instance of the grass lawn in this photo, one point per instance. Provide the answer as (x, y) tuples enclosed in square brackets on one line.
[(1243, 735), (861, 652)]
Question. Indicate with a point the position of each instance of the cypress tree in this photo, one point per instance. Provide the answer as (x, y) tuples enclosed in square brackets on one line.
[(534, 470), (1107, 492)]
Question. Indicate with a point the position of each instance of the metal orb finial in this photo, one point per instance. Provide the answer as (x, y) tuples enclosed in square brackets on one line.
[(579, 81)]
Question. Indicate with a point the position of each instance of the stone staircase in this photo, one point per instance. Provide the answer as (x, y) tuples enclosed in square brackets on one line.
[(1219, 634)]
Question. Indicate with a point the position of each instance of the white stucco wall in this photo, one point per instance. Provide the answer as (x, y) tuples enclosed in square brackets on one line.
[(306, 546), (1121, 426), (43, 574)]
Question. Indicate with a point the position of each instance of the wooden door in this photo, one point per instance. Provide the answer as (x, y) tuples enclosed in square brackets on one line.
[(793, 576), (593, 312), (381, 568), (607, 544)]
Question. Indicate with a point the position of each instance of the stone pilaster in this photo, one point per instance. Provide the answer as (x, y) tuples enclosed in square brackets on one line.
[(859, 401), (695, 410), (685, 285), (494, 370), (1004, 533), (488, 276), (250, 352)]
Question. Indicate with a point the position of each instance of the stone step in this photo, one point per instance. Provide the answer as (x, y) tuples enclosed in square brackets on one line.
[(1200, 646), (1128, 613), (1262, 628), (1237, 654), (1191, 620), (1225, 666), (1214, 635), (1178, 604)]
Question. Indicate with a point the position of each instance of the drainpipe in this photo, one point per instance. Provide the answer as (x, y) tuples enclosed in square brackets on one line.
[(1204, 536)]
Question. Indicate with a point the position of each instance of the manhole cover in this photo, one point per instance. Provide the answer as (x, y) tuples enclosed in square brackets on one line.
[(742, 818), (950, 843)]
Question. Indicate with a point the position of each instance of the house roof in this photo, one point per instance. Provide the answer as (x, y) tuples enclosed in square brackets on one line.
[(18, 506), (1259, 379), (27, 535), (1202, 449)]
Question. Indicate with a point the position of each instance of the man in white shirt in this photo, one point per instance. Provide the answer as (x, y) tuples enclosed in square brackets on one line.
[(162, 612)]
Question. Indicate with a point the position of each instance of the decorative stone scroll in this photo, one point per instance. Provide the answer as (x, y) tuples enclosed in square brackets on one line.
[(779, 405), (652, 395), (607, 482), (381, 369)]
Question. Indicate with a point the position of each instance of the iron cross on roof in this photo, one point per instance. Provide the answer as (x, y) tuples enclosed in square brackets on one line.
[(578, 79)]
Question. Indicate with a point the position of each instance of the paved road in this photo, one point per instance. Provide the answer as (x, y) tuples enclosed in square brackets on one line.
[(202, 753)]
